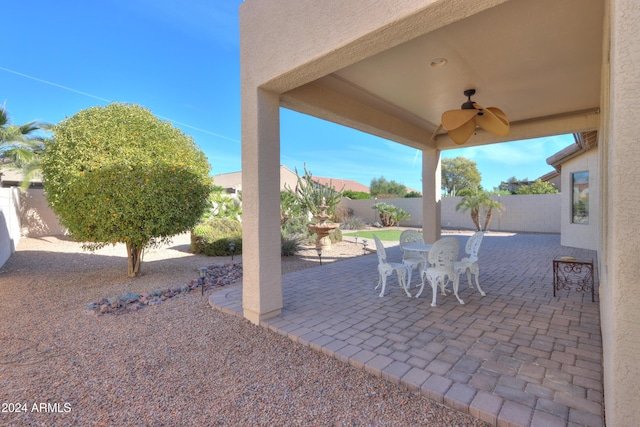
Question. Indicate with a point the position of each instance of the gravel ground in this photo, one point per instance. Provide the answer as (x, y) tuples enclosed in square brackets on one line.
[(180, 363)]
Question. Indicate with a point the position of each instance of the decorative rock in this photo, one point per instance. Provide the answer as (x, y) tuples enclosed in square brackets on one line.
[(129, 297), (216, 275)]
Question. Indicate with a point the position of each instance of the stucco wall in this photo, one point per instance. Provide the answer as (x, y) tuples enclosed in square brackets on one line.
[(37, 218), (537, 213), (581, 235), (9, 222), (620, 244)]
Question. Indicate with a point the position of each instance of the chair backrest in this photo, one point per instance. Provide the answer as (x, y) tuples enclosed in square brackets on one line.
[(410, 236), (473, 245), (382, 254), (444, 253)]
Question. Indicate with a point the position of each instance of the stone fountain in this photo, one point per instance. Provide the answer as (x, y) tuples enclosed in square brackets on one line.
[(323, 228)]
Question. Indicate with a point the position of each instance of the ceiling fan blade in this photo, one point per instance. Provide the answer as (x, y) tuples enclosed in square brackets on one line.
[(492, 122), (461, 134), (453, 119), (501, 115)]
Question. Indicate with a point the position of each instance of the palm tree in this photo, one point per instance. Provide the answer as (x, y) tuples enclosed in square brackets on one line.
[(21, 145), (479, 203)]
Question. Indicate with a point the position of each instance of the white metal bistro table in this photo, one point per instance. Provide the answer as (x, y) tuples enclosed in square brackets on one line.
[(418, 247)]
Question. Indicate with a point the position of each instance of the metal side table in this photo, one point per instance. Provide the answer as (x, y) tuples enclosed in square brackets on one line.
[(570, 272)]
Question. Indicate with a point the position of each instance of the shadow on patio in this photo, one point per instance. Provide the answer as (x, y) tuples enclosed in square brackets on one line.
[(518, 356)]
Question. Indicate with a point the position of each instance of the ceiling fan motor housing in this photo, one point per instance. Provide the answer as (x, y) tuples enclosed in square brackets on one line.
[(469, 104)]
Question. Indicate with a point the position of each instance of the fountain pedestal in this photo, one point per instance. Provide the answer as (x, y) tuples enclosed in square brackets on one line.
[(323, 228)]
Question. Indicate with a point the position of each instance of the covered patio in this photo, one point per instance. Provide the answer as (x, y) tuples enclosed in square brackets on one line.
[(392, 68), (516, 357)]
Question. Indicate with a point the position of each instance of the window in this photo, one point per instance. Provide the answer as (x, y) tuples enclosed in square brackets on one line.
[(580, 197)]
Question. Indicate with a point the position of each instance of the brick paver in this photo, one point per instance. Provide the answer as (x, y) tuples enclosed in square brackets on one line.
[(516, 357)]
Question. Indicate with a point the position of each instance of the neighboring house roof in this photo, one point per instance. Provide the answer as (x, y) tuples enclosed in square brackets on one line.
[(547, 177), (584, 141), (233, 180), (341, 184)]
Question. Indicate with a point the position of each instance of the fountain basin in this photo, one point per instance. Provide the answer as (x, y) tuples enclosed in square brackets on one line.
[(322, 230)]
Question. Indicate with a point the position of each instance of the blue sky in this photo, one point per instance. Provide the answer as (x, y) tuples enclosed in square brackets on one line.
[(181, 60)]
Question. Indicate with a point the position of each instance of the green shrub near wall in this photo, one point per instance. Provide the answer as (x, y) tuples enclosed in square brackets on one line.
[(212, 238)]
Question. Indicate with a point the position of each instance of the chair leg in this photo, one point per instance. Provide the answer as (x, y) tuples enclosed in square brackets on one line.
[(469, 278), (476, 274), (419, 268), (422, 285), (409, 270), (456, 284), (402, 279), (383, 278), (434, 289)]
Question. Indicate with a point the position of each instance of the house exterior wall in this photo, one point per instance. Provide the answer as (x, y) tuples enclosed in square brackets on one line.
[(619, 248), (533, 213), (584, 236), (9, 222)]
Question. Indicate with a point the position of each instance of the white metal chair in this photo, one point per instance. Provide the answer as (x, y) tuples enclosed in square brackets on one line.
[(469, 264), (386, 269), (412, 259), (442, 256)]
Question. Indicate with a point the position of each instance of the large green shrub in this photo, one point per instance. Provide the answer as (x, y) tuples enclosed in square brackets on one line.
[(296, 226), (118, 174), (212, 237)]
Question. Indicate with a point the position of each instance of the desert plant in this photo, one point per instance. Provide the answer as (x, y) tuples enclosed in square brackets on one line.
[(296, 226), (353, 223), (335, 235), (291, 245), (290, 206), (390, 215), (223, 206), (310, 194), (212, 237), (21, 145), (480, 204), (342, 214)]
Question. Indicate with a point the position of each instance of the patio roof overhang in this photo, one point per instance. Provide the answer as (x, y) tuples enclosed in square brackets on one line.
[(540, 62)]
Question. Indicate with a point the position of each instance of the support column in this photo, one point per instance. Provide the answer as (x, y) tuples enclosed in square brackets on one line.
[(431, 195), (261, 246), (620, 152)]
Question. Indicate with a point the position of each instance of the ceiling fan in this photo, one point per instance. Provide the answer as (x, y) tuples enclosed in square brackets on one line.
[(460, 124)]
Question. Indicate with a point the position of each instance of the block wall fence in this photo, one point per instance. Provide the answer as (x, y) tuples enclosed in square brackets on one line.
[(535, 213), (28, 214)]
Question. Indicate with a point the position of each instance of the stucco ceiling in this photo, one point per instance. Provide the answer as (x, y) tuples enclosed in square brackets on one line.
[(535, 60)]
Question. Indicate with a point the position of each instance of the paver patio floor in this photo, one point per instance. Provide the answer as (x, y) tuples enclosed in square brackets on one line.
[(518, 356)]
